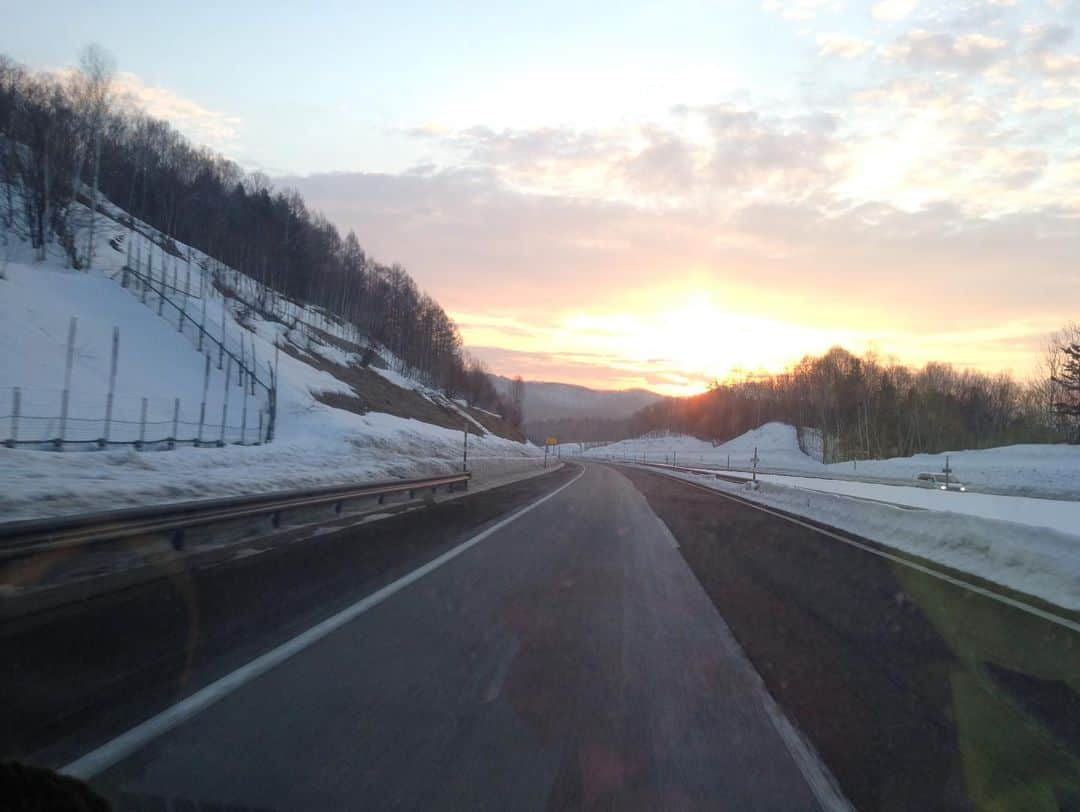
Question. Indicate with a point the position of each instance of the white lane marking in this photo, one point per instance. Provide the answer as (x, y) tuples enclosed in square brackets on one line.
[(108, 754), (821, 781), (978, 590)]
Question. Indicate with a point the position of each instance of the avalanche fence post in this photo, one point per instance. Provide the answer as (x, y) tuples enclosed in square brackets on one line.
[(202, 408), (225, 405), (142, 427), (175, 422), (243, 419), (112, 387), (16, 405), (65, 396)]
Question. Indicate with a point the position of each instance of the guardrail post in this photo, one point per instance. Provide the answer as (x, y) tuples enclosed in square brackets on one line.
[(16, 405)]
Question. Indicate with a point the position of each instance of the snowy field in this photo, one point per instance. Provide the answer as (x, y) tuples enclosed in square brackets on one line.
[(1051, 471), (315, 444)]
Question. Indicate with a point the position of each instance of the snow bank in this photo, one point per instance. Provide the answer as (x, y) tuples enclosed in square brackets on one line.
[(1049, 471), (776, 443)]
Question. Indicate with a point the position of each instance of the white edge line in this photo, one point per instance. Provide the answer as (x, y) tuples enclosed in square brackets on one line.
[(119, 748), (819, 779), (986, 593)]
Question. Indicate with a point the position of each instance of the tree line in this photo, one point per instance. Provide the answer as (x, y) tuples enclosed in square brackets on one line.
[(865, 407), (67, 138)]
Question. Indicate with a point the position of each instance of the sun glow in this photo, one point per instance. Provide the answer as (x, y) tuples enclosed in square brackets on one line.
[(685, 341)]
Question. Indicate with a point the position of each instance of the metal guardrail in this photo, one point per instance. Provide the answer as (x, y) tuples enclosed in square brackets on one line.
[(32, 536)]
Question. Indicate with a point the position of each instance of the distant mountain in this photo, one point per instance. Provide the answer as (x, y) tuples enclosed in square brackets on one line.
[(546, 402)]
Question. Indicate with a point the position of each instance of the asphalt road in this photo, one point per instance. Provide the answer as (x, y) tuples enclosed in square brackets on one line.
[(580, 656), (569, 660)]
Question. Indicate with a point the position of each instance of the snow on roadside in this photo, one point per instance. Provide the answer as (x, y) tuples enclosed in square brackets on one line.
[(776, 444), (1033, 560), (1049, 471)]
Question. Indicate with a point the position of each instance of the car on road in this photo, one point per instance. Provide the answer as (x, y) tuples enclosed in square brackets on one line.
[(941, 482)]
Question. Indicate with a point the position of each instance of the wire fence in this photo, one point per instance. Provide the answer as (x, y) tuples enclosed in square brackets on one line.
[(58, 418), (241, 412)]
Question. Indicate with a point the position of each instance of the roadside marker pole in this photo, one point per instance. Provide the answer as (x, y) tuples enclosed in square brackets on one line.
[(465, 452)]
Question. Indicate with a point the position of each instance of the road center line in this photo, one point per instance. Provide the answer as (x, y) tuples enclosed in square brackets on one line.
[(108, 754)]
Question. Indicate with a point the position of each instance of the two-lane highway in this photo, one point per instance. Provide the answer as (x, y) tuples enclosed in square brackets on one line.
[(565, 642), (569, 659)]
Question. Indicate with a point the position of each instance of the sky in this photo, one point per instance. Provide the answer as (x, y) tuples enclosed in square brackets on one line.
[(653, 194)]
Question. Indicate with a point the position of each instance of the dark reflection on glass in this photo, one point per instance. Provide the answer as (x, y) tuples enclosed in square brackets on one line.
[(1015, 699)]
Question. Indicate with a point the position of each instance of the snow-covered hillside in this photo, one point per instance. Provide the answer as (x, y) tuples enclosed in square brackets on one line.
[(337, 419)]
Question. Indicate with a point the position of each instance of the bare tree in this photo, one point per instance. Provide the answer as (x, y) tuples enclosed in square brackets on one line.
[(90, 93)]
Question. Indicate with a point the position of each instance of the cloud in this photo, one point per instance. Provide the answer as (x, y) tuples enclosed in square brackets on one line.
[(893, 10), (941, 50), (711, 148), (199, 123), (1045, 36), (843, 46), (800, 10), (668, 164), (477, 245)]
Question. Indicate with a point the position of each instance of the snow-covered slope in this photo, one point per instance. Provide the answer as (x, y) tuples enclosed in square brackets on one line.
[(315, 442)]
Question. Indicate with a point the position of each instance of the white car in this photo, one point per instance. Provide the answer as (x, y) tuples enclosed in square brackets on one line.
[(941, 482)]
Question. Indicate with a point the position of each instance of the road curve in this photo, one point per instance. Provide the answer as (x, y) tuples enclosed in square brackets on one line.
[(570, 659)]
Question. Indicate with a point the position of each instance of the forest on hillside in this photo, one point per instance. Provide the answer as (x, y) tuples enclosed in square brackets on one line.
[(868, 408), (68, 138)]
